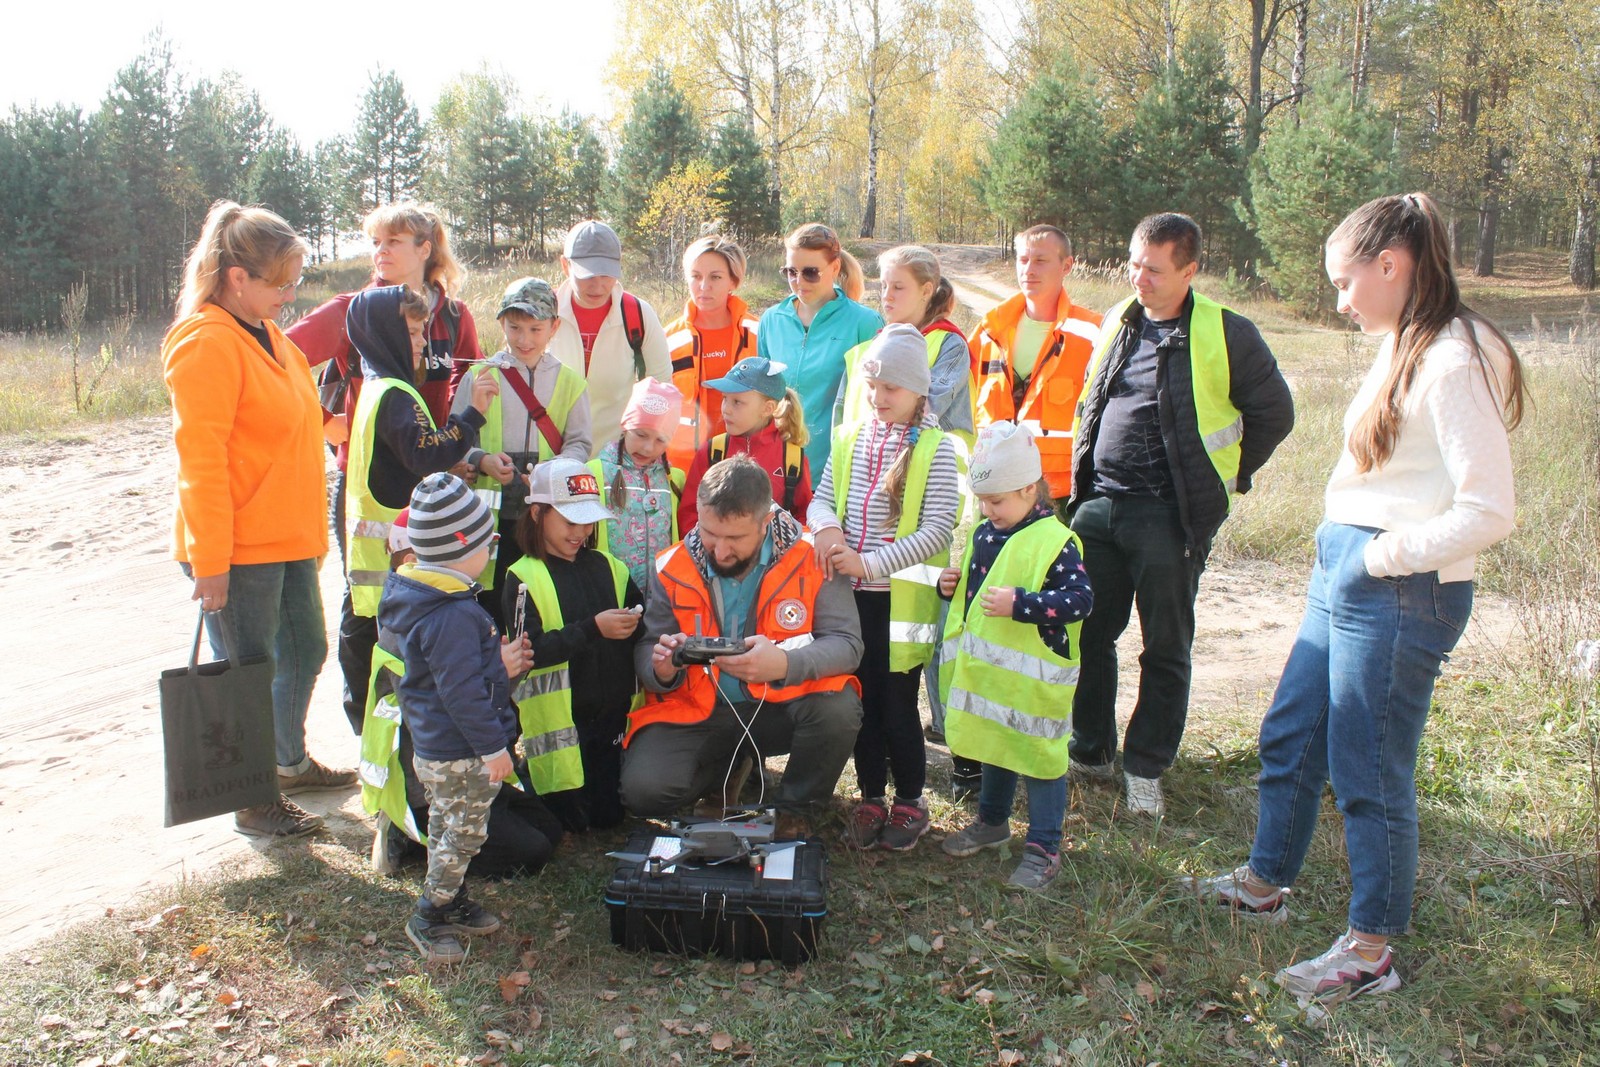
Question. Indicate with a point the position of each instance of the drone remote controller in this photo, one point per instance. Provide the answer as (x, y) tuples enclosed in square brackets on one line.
[(699, 649)]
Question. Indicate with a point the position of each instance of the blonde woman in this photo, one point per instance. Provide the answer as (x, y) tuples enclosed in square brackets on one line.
[(1423, 485), (715, 331), (251, 520), (810, 331)]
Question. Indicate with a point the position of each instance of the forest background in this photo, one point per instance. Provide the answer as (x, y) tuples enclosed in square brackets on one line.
[(950, 121)]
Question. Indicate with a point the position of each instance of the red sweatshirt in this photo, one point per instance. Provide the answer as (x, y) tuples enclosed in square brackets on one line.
[(766, 448)]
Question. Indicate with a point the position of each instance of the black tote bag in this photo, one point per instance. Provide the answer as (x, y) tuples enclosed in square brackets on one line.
[(216, 721)]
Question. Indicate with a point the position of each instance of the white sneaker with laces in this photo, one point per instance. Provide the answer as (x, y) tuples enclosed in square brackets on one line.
[(1339, 974), (1144, 796), (1232, 890)]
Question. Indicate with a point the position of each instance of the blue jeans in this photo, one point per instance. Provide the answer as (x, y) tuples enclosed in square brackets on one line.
[(1047, 804), (1350, 709), (276, 609)]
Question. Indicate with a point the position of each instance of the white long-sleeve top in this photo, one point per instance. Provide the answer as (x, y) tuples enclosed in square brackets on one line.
[(1445, 494), (867, 526)]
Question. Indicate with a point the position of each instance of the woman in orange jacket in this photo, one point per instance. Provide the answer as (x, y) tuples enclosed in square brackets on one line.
[(715, 331), (251, 527)]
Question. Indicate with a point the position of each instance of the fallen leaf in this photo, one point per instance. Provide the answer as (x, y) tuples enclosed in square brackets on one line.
[(916, 1055), (1008, 1057), (984, 997), (369, 939), (124, 990), (747, 967), (622, 1031), (535, 1018), (118, 1058), (52, 1022), (163, 916), (626, 1044), (92, 1061), (509, 990), (721, 1042), (497, 1038), (938, 943), (1146, 990), (222, 1026), (199, 952), (609, 994), (228, 997)]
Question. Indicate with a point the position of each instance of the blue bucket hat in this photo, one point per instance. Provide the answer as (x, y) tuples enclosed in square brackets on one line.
[(753, 373)]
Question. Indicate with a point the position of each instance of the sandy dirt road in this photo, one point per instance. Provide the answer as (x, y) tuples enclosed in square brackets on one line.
[(93, 609)]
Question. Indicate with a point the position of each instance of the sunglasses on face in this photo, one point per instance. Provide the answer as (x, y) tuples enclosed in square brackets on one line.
[(810, 274)]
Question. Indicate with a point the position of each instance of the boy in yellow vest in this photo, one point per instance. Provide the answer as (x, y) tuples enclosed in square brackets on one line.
[(457, 700), (1009, 655), (542, 411)]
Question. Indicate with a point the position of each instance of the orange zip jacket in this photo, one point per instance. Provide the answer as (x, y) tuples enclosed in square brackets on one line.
[(1051, 396), (702, 407), (248, 430)]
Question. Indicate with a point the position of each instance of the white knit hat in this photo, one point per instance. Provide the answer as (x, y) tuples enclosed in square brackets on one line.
[(1005, 458), (898, 356)]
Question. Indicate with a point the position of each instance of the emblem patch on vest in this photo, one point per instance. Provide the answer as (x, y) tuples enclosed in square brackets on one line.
[(792, 614)]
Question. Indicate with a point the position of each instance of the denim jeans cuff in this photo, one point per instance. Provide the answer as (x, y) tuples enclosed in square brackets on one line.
[(298, 768), (1381, 931)]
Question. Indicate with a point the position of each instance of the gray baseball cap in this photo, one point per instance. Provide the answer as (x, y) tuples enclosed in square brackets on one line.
[(593, 250), (531, 296)]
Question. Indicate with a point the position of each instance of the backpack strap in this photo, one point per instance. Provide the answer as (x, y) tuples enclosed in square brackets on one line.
[(719, 448), (793, 454), (633, 326)]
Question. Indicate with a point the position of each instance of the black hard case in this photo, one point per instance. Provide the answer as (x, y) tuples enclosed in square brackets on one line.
[(720, 910)]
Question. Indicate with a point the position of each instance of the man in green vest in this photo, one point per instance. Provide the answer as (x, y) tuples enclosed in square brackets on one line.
[(1182, 404)]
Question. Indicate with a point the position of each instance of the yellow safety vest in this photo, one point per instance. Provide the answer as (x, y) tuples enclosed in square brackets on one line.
[(366, 556), (544, 696), (1007, 694), (491, 438), (383, 784), (1221, 424), (914, 591), (854, 408)]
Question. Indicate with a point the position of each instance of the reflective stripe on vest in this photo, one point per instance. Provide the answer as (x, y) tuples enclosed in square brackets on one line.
[(914, 602), (491, 438), (366, 558), (1008, 695), (383, 781), (675, 479), (544, 696), (1221, 424)]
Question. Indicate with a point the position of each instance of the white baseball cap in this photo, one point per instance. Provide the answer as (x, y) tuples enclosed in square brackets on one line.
[(569, 487)]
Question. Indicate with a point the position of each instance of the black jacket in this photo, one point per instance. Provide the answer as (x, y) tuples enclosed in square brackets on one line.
[(1256, 388), (407, 446)]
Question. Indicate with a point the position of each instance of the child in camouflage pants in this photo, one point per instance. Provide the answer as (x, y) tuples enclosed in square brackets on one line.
[(457, 700)]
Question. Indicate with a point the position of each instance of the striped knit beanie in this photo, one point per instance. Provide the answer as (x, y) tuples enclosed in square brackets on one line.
[(448, 521)]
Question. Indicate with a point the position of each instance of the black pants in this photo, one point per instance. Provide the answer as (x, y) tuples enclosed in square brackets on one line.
[(597, 804), (358, 634), (890, 741), (1135, 553), (670, 765)]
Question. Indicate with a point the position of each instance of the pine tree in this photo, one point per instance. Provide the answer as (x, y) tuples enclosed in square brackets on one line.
[(387, 148), (1309, 176), (479, 152), (220, 132), (661, 135), (745, 191), (283, 178)]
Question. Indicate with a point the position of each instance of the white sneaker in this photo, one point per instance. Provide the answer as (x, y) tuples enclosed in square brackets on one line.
[(1339, 974), (1144, 796)]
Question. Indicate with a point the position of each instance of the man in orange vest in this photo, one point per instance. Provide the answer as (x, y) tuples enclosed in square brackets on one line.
[(747, 570), (1030, 353)]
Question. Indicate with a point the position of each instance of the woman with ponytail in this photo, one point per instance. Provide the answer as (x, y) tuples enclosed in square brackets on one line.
[(1423, 485), (915, 291), (883, 516), (251, 525), (810, 331)]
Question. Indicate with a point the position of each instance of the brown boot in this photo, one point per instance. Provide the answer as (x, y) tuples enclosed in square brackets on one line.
[(720, 801)]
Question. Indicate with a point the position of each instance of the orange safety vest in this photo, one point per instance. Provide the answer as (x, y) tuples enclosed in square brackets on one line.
[(702, 408), (785, 607), (1051, 396)]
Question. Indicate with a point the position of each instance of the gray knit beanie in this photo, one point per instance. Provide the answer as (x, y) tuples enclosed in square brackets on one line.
[(898, 356), (448, 521), (1005, 458)]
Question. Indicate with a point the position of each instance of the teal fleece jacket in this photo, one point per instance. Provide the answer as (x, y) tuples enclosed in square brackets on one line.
[(814, 359)]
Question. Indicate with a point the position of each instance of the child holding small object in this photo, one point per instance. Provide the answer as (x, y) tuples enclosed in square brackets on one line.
[(885, 508), (761, 416), (457, 701), (580, 611), (541, 411), (641, 487), (1019, 599)]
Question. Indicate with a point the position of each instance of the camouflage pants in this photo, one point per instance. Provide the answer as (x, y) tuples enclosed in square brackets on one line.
[(459, 796)]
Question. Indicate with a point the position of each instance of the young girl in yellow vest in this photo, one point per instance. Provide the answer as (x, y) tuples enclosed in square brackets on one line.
[(762, 416), (1010, 647), (580, 612), (542, 411), (885, 508), (641, 487)]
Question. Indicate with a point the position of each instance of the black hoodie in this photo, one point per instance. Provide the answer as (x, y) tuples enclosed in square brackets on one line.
[(407, 446)]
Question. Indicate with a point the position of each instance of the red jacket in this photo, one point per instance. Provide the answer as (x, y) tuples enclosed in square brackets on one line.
[(766, 447), (322, 336)]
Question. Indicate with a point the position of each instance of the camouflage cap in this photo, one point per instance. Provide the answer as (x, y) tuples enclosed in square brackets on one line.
[(531, 296)]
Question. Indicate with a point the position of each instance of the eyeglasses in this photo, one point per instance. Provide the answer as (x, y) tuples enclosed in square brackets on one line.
[(810, 274), (283, 290)]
